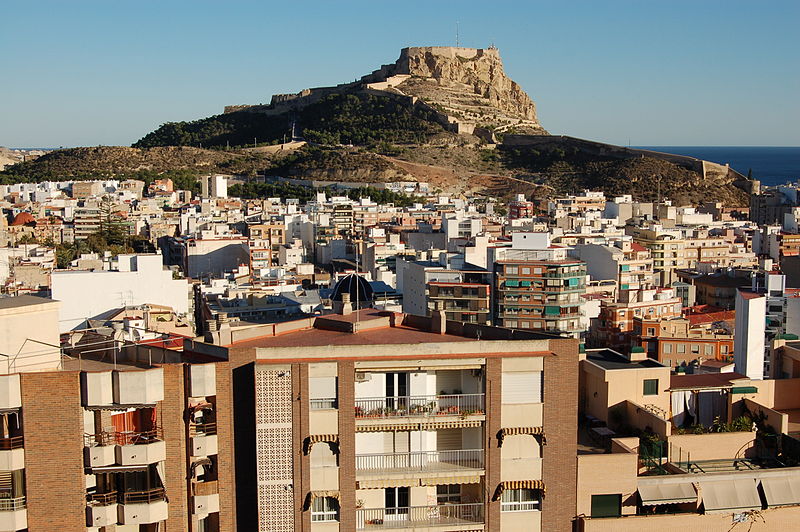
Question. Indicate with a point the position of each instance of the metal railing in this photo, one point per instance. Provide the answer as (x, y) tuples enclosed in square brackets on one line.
[(202, 428), (142, 497), (419, 516), (14, 442), (420, 405), (421, 460), (103, 499), (123, 437), (323, 404), (13, 504)]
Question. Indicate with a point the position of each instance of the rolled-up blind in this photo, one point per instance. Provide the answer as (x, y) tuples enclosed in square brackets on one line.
[(520, 387)]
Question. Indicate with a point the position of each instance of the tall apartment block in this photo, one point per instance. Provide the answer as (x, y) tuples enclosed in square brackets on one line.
[(372, 420), (99, 436)]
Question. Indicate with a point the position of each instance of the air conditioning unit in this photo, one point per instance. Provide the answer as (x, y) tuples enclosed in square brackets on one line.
[(363, 377)]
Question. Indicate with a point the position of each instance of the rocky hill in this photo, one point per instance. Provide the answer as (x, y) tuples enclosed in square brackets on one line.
[(448, 116), (469, 85)]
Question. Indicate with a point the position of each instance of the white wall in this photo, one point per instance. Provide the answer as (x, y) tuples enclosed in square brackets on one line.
[(748, 341), (85, 294)]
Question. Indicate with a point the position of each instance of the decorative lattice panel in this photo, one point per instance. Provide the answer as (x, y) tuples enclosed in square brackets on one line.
[(274, 450)]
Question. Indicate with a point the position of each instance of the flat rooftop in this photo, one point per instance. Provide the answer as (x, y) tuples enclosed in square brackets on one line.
[(609, 359), (377, 327), (23, 301)]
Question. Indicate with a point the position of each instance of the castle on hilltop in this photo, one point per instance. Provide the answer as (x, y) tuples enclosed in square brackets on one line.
[(465, 87)]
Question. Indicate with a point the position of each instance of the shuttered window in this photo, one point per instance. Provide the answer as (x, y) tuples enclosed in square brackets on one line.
[(520, 387), (322, 392)]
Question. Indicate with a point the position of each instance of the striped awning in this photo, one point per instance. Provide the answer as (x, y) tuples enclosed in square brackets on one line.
[(450, 479), (380, 483), (332, 439), (518, 485), (536, 432), (455, 424), (317, 494)]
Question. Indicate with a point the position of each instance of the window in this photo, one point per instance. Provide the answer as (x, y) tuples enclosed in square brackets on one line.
[(695, 349), (651, 331), (511, 270), (667, 349), (607, 505), (396, 501), (520, 500), (681, 348), (526, 271), (324, 509), (522, 387), (448, 493), (322, 392), (650, 387)]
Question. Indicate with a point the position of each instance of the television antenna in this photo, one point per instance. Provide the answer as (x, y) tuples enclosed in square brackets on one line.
[(458, 43)]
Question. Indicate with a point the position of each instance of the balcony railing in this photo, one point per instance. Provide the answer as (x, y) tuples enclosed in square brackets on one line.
[(204, 429), (420, 405), (420, 516), (8, 444), (142, 497), (123, 437), (323, 404), (103, 499), (13, 504), (422, 460)]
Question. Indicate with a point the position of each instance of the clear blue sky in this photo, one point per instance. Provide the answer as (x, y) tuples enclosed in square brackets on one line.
[(666, 73)]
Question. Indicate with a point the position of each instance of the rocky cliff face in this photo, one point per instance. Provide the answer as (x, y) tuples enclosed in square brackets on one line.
[(469, 84)]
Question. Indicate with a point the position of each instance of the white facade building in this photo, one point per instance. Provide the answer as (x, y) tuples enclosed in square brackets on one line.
[(138, 280)]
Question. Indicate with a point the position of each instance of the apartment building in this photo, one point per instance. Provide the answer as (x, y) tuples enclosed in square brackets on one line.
[(100, 435), (721, 475), (616, 318), (675, 342), (540, 295), (370, 420), (626, 262), (264, 245), (468, 302), (666, 247)]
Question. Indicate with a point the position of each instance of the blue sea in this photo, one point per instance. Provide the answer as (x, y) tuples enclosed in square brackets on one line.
[(770, 165)]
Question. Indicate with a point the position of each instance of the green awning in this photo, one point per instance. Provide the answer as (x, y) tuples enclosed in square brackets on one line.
[(744, 389), (510, 282), (637, 349)]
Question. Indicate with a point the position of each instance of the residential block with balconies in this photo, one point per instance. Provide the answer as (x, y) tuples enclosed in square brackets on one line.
[(371, 420), (543, 295)]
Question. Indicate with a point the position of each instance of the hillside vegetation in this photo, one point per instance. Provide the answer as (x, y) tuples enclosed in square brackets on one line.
[(354, 118)]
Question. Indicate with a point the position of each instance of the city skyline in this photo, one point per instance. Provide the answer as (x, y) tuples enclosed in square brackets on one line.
[(621, 72)]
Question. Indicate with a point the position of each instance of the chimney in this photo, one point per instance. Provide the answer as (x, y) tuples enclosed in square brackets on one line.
[(346, 306), (438, 318)]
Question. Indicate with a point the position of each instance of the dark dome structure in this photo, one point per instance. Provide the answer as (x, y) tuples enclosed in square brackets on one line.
[(359, 289)]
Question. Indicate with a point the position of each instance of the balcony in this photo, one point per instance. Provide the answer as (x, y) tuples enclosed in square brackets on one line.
[(203, 438), (461, 405), (140, 448), (205, 497), (421, 462), (101, 510), (456, 516), (12, 455), (13, 513), (124, 448), (142, 507)]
